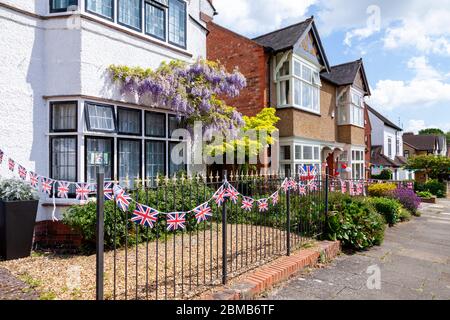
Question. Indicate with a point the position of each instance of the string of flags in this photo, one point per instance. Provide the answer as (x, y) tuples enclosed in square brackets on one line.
[(148, 217)]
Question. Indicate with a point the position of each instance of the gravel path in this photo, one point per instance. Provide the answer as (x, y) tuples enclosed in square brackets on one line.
[(183, 266), (12, 288)]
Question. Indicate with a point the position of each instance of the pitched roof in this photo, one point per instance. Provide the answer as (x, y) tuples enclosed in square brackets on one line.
[(379, 159), (421, 143), (386, 121), (345, 74), (284, 38)]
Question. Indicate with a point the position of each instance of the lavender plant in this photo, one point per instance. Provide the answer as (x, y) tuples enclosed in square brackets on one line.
[(408, 199), (191, 90)]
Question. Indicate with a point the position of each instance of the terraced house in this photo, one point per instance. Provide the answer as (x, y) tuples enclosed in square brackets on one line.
[(321, 107), (67, 118)]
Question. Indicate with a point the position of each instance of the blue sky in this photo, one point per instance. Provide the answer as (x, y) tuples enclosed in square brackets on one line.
[(405, 45)]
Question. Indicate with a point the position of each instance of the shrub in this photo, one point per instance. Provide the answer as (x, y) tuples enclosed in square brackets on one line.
[(354, 222), (386, 174), (16, 190), (404, 215), (381, 189), (425, 194), (389, 208), (407, 198), (437, 188)]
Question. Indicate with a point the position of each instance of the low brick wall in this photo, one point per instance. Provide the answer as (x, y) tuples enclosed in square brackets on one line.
[(281, 270), (54, 235)]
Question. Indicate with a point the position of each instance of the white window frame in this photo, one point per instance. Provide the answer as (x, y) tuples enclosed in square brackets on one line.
[(292, 78), (361, 162), (354, 113)]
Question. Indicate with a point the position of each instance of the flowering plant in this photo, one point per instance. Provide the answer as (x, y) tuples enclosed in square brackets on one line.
[(191, 90), (407, 198)]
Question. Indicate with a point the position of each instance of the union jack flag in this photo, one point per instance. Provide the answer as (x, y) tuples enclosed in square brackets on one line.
[(302, 189), (410, 184), (232, 194), (122, 199), (263, 205), (332, 187), (351, 188), (108, 191), (247, 203), (275, 198), (313, 186), (47, 185), (202, 213), (175, 221), (308, 173), (11, 164), (22, 172), (34, 179), (63, 189), (82, 191), (293, 184), (145, 216), (1, 156), (359, 189), (286, 185), (220, 196)]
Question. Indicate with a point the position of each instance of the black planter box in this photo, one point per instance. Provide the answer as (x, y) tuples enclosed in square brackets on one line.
[(17, 220)]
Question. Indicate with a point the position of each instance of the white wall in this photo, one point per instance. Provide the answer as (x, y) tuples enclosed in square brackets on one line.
[(377, 130), (58, 57)]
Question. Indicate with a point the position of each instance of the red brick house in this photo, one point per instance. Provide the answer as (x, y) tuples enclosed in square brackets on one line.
[(321, 107)]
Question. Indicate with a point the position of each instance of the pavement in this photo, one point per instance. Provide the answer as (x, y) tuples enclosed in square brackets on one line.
[(12, 288), (412, 264)]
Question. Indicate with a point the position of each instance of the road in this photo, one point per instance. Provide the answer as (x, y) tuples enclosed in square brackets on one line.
[(412, 264)]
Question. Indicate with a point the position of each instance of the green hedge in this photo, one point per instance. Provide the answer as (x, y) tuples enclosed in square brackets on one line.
[(355, 222), (389, 208)]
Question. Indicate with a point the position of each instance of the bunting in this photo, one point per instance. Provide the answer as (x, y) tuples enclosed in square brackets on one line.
[(1, 156), (247, 203), (34, 179), (263, 205), (47, 185), (82, 191), (122, 198), (176, 221), (145, 216), (202, 213), (11, 165), (63, 189), (22, 172)]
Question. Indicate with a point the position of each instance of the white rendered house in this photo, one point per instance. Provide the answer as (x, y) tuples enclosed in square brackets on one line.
[(59, 110)]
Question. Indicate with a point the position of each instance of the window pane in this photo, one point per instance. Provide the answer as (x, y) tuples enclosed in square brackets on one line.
[(306, 74), (307, 95), (285, 153), (315, 102), (297, 69), (177, 22), (64, 158), (99, 156), (62, 5), (175, 124), (298, 152), (155, 21), (130, 13), (64, 116), (129, 121), (101, 7), (307, 152), (285, 92), (316, 153), (177, 162), (284, 71), (155, 158), (100, 118), (129, 161), (297, 92), (155, 124)]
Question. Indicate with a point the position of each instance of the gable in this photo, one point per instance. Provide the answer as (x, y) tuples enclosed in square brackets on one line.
[(360, 81), (309, 49)]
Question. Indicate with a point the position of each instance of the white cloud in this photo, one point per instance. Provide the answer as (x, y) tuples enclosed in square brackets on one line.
[(417, 125), (255, 17), (428, 87)]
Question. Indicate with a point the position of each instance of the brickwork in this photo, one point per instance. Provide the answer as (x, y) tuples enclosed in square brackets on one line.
[(234, 50), (55, 235)]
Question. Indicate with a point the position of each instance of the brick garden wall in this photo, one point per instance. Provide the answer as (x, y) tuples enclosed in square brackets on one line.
[(234, 50), (56, 236)]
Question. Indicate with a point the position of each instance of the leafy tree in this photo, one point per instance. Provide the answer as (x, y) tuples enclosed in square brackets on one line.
[(434, 167), (431, 132)]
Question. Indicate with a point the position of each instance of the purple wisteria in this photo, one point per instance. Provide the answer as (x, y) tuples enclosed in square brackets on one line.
[(193, 91)]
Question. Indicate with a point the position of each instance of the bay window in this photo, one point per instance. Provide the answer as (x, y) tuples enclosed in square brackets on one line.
[(305, 82), (177, 157), (103, 8), (63, 158), (129, 121), (62, 5), (155, 124), (351, 108), (390, 147), (129, 13), (155, 158), (177, 23), (155, 20)]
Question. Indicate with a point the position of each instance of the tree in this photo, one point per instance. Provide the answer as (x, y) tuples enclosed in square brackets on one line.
[(434, 167), (431, 132)]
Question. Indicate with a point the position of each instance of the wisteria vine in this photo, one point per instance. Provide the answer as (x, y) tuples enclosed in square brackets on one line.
[(193, 91)]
